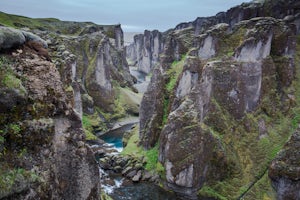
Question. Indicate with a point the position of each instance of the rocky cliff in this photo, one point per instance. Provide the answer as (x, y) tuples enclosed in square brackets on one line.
[(91, 60), (43, 153), (54, 91), (227, 103), (145, 50)]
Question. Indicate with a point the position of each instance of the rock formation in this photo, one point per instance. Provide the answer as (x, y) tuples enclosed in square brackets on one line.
[(43, 154), (44, 104), (145, 50), (224, 93)]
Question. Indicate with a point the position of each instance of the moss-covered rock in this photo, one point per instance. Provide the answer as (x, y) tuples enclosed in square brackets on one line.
[(40, 131), (233, 98)]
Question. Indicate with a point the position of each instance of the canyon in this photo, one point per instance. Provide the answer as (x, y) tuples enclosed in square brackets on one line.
[(219, 118)]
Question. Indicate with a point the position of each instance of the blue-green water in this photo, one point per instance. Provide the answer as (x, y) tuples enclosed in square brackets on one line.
[(115, 141)]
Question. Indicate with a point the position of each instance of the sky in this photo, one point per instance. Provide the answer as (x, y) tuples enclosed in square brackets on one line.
[(133, 15)]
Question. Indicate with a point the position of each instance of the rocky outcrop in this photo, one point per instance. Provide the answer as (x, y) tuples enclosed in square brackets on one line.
[(91, 60), (228, 76), (11, 38), (151, 110), (285, 171), (144, 51), (42, 140)]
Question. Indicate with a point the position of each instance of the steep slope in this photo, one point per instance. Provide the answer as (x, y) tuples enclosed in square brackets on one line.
[(43, 154), (91, 60), (222, 113), (55, 92)]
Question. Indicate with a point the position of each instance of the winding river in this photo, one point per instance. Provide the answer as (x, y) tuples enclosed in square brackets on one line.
[(117, 187)]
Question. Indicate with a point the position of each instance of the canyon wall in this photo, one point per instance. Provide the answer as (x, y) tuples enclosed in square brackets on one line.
[(56, 77), (145, 50), (227, 103)]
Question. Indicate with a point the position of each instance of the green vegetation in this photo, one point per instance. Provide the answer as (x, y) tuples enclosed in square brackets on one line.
[(8, 78), (207, 191), (151, 156), (10, 178), (88, 123), (50, 24), (126, 103), (105, 196), (255, 148), (173, 74)]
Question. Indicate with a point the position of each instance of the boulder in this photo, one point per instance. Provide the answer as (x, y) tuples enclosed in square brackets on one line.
[(137, 177), (10, 38)]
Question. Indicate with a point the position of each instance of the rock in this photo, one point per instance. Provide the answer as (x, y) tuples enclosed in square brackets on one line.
[(151, 110), (145, 50), (127, 170), (131, 174), (284, 170), (137, 177), (10, 98), (155, 178), (117, 169), (210, 97), (138, 166), (47, 123), (10, 37), (32, 37), (146, 176)]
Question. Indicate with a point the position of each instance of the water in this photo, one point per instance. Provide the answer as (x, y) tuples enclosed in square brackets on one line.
[(114, 142), (142, 191), (116, 186)]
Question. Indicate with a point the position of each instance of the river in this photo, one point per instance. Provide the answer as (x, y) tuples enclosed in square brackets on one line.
[(116, 186)]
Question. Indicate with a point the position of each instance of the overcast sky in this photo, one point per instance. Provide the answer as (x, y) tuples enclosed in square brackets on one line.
[(133, 15)]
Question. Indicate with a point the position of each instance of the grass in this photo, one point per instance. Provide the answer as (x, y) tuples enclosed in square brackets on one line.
[(88, 122), (207, 191), (173, 74), (151, 156), (8, 79), (255, 151)]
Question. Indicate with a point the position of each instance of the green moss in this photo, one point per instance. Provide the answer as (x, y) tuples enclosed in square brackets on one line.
[(126, 103), (132, 147), (88, 123), (10, 178), (173, 74), (151, 156), (105, 196), (207, 191), (8, 78), (254, 149)]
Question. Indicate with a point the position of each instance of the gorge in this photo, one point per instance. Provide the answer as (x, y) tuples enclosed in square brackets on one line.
[(209, 109)]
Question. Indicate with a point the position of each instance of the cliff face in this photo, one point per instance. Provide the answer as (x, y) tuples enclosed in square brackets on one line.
[(145, 53), (47, 95), (227, 106), (43, 154)]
